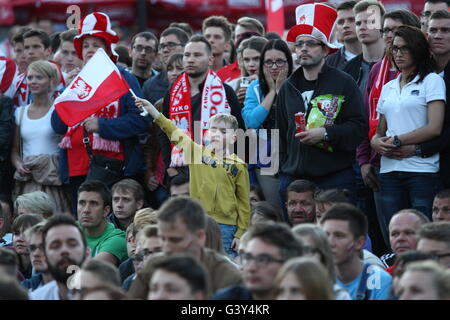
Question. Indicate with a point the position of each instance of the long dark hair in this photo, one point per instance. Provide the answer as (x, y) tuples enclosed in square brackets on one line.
[(419, 49), (275, 44)]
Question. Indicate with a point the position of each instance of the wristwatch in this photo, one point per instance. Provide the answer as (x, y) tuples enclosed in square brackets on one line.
[(418, 151), (397, 143), (325, 136)]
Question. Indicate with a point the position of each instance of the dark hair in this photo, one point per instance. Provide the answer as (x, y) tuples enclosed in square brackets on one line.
[(129, 185), (218, 22), (439, 1), (10, 289), (188, 210), (274, 45), (61, 220), (183, 26), (256, 43), (440, 14), (173, 58), (272, 36), (150, 231), (245, 36), (104, 271), (9, 261), (233, 52), (188, 268), (346, 5), (420, 51), (302, 185), (124, 55), (147, 35), (344, 211), (25, 221), (55, 41), (437, 231), (257, 189), (279, 235), (407, 257), (202, 39), (18, 36), (42, 35), (267, 210), (333, 196), (404, 16), (443, 194), (364, 5), (251, 24), (181, 35), (68, 35), (99, 187)]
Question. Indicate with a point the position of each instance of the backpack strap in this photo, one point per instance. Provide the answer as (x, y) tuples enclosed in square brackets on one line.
[(363, 293)]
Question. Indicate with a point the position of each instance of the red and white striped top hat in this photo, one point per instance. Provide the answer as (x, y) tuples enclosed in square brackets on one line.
[(96, 24), (315, 20)]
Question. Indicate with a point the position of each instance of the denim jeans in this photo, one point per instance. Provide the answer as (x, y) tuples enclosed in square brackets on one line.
[(344, 179), (228, 232), (404, 190)]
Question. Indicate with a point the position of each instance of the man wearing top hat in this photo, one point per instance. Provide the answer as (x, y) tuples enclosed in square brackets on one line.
[(332, 105)]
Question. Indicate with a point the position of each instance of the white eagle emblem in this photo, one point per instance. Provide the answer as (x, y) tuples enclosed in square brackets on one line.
[(81, 88)]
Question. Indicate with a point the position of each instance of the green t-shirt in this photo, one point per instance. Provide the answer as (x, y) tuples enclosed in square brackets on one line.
[(112, 240)]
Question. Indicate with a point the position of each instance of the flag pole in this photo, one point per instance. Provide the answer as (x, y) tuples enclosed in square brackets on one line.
[(144, 111)]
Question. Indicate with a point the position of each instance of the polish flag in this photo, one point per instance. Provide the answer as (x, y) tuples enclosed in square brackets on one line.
[(275, 16), (97, 85), (8, 73)]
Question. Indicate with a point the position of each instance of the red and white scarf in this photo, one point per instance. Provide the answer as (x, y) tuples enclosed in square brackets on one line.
[(98, 143), (374, 95), (214, 100)]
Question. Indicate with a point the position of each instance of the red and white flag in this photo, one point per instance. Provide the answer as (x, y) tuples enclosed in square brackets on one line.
[(8, 73), (98, 84)]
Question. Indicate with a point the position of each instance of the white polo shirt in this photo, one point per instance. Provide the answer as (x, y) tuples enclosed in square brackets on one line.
[(406, 110)]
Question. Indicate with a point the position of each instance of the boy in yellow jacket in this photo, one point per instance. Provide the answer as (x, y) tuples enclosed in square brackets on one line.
[(217, 177)]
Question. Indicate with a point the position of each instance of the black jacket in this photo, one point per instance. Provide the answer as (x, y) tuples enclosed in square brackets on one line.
[(6, 131), (337, 59), (350, 126), (442, 143), (155, 88)]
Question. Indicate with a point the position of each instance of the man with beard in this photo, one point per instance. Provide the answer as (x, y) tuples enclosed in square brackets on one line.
[(37, 257), (332, 106), (195, 96), (301, 205), (65, 249), (144, 47)]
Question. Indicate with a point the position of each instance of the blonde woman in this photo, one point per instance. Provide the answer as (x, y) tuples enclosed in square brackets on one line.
[(35, 145)]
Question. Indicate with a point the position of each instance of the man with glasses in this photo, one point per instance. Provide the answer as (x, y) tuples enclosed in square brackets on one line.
[(324, 152), (269, 245), (172, 41), (144, 48), (181, 227), (434, 239), (430, 7)]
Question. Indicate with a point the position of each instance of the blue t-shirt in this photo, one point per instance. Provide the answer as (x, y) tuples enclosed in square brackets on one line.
[(379, 282)]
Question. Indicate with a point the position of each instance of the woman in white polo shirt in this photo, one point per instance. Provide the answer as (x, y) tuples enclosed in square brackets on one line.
[(411, 109)]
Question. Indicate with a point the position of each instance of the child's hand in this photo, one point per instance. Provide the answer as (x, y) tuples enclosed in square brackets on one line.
[(146, 107)]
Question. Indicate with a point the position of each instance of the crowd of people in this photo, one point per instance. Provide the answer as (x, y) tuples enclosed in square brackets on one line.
[(159, 195)]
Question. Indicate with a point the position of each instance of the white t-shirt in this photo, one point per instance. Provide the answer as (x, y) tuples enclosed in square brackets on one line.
[(37, 135), (406, 110), (50, 291)]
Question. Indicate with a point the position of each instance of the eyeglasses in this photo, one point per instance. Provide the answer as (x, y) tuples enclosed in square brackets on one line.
[(170, 45), (279, 63), (425, 14), (308, 43), (442, 255), (261, 261), (147, 50), (386, 31), (403, 50)]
